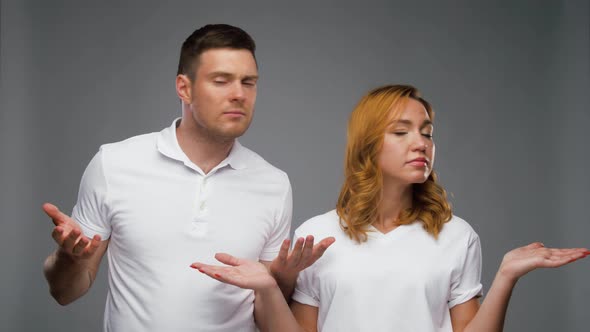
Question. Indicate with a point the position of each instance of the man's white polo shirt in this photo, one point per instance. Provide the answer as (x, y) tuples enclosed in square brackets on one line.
[(162, 213)]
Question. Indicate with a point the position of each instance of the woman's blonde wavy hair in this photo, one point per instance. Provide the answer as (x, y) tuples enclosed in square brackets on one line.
[(360, 196)]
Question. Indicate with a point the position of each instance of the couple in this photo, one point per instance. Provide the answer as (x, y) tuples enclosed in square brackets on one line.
[(161, 202)]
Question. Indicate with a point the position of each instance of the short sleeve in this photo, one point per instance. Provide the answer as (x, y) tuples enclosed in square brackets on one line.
[(307, 286), (468, 283), (91, 209), (282, 227)]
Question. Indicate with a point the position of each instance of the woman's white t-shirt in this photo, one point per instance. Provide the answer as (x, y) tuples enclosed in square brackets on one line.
[(404, 280)]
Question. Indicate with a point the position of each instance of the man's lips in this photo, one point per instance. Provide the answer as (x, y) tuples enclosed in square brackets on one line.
[(235, 113)]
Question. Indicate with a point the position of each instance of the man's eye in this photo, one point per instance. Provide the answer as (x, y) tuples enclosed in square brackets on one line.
[(249, 83), (429, 136)]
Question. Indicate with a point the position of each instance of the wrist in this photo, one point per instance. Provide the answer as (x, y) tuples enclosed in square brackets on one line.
[(506, 276), (281, 275), (268, 289), (284, 277)]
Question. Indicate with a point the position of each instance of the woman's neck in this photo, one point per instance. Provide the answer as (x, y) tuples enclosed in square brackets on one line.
[(395, 198)]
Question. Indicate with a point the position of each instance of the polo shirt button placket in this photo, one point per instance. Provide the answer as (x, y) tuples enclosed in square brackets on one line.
[(200, 226), (202, 198)]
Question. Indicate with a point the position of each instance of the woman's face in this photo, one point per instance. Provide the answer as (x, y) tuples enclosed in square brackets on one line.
[(407, 156)]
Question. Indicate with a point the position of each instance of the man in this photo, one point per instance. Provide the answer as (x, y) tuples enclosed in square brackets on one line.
[(161, 201)]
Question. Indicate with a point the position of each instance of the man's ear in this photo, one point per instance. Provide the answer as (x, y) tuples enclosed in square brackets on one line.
[(184, 88)]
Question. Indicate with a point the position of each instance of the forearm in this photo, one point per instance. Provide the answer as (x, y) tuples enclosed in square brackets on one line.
[(68, 279), (286, 284), (492, 313), (272, 313)]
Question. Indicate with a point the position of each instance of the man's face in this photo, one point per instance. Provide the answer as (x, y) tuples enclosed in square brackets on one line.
[(224, 92)]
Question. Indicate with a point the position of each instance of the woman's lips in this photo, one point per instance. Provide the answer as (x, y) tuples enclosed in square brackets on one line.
[(419, 162)]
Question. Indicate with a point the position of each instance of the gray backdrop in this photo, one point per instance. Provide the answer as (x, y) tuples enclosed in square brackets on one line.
[(509, 81)]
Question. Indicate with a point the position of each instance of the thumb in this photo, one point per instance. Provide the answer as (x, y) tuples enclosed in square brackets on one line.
[(55, 214), (535, 245), (228, 259)]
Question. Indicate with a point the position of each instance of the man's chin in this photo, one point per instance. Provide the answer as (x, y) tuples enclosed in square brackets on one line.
[(232, 133)]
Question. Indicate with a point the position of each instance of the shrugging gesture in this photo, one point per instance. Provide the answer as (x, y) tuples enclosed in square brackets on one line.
[(516, 263), (520, 261), (71, 269), (272, 284), (282, 270), (68, 235)]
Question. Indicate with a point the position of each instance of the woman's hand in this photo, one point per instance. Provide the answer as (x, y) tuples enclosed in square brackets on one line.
[(238, 272), (520, 261)]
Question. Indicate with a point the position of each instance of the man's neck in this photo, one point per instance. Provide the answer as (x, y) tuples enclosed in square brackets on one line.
[(203, 150)]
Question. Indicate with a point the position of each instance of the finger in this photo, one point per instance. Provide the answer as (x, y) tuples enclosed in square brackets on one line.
[(210, 270), (535, 245), (92, 247), (55, 214), (228, 259), (198, 265), (321, 247), (307, 249), (569, 251), (228, 275), (561, 261), (80, 246), (297, 250), (217, 272), (58, 235), (207, 267), (284, 251), (70, 240)]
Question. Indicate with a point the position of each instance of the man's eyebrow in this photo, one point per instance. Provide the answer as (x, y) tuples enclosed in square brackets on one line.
[(220, 73), (230, 75), (251, 77)]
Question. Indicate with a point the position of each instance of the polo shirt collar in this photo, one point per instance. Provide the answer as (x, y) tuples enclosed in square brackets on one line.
[(167, 144)]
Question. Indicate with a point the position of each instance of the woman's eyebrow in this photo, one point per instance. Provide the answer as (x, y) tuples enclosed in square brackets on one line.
[(425, 123)]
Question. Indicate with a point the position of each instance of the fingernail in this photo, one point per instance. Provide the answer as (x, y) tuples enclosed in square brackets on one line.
[(194, 267)]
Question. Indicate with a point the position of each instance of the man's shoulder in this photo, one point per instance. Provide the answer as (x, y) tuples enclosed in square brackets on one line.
[(130, 148), (259, 164), (133, 142)]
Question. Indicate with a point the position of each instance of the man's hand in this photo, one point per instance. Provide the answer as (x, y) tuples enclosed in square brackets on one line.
[(288, 265), (71, 269), (68, 235)]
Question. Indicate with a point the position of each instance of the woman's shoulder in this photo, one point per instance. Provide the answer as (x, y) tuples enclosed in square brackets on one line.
[(327, 224), (458, 228)]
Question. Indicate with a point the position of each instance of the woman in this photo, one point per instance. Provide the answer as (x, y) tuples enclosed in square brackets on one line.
[(401, 261)]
